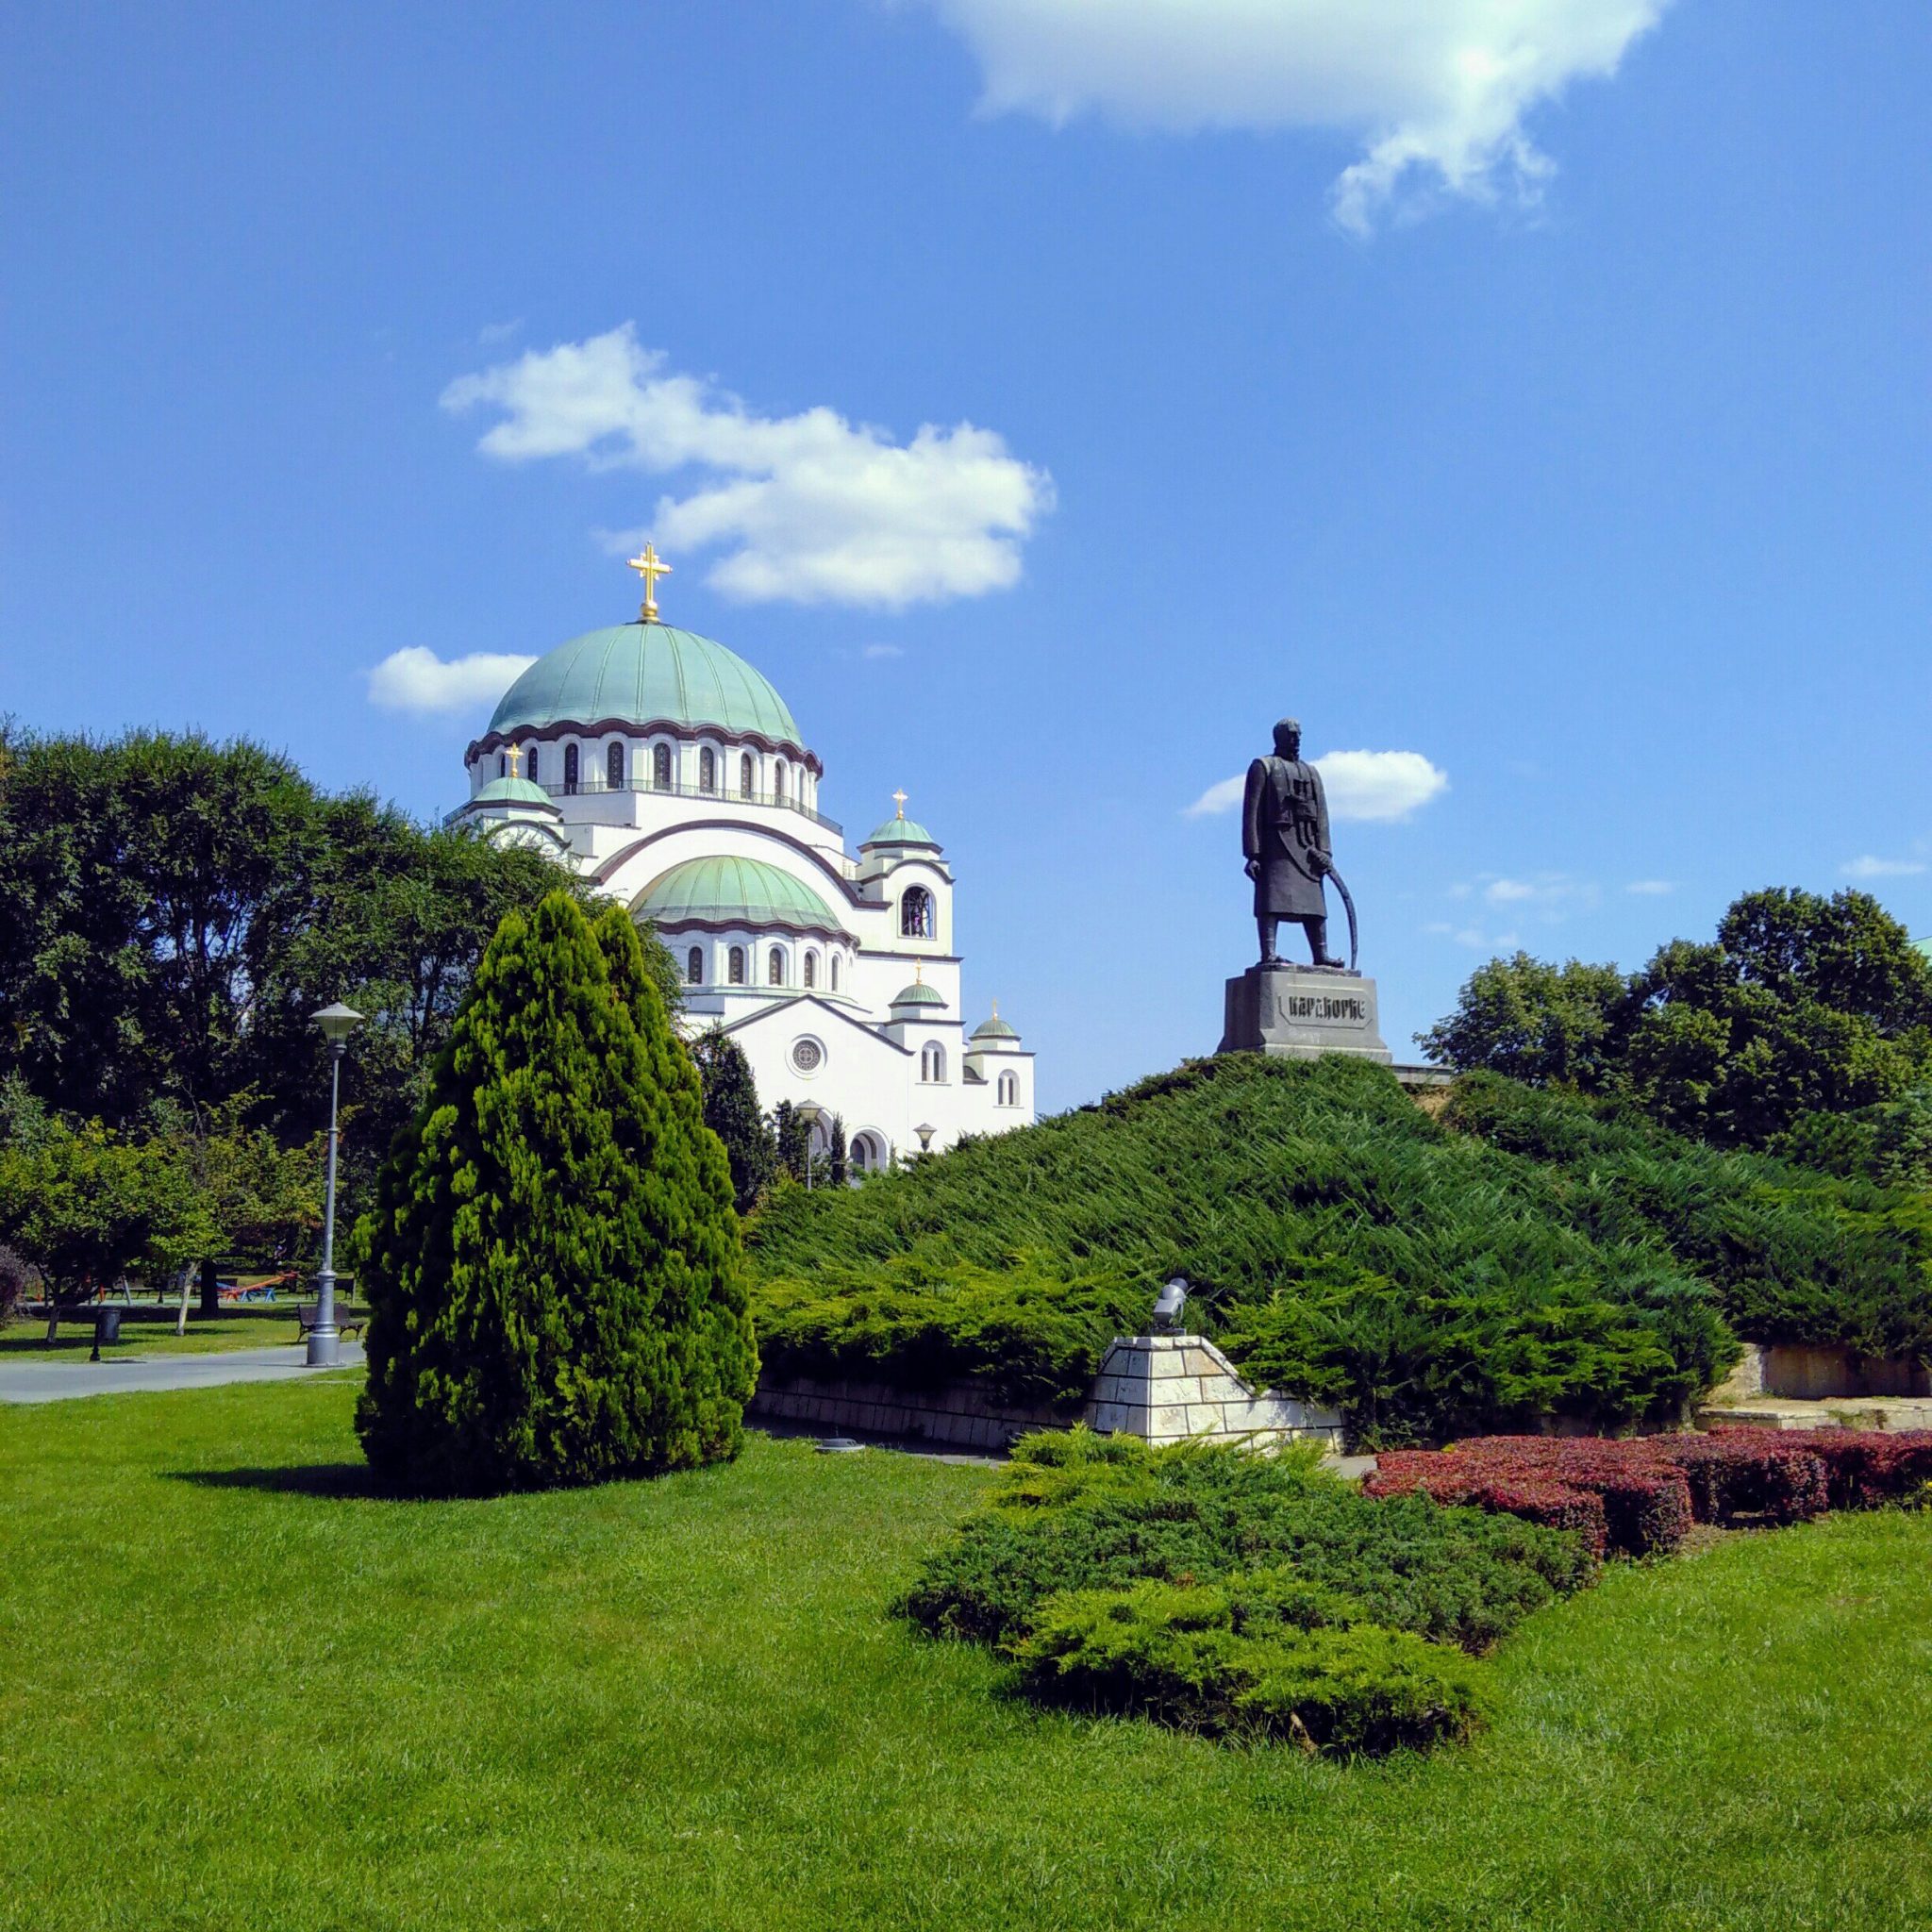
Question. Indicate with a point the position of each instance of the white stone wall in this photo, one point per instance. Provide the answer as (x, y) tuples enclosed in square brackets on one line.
[(1171, 1387)]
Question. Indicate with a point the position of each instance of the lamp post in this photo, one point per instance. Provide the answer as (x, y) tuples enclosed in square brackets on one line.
[(324, 1346), (811, 1112)]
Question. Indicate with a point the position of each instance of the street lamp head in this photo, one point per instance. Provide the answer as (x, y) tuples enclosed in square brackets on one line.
[(337, 1022)]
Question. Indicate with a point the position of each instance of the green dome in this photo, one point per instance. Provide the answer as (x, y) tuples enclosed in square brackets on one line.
[(901, 832), (918, 994), (734, 892), (995, 1028), (646, 674), (513, 791)]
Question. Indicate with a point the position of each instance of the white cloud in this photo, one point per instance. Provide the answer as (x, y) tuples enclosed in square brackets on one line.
[(1547, 896), (1385, 785), (1651, 888), (1437, 88), (875, 652), (1222, 796), (1870, 867), (812, 509), (493, 335), (1379, 784), (416, 679)]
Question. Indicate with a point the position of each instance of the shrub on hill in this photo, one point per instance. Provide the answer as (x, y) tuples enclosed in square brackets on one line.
[(1795, 1254), (556, 1285), (1347, 1247), (1532, 1253)]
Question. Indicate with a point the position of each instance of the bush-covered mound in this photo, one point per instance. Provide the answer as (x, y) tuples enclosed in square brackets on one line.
[(1531, 1255), (556, 1284), (1795, 1254), (1230, 1591), (1639, 1497)]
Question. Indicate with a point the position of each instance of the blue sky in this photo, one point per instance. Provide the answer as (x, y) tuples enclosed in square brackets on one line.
[(1564, 427)]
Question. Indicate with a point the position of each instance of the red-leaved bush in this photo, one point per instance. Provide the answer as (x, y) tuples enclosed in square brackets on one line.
[(1636, 1498)]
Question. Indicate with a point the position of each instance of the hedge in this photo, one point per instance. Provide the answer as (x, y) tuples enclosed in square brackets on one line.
[(1639, 1497)]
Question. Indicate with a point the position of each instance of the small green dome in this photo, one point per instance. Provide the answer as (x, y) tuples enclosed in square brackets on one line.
[(646, 674), (995, 1028), (734, 892), (901, 832), (918, 994), (514, 791)]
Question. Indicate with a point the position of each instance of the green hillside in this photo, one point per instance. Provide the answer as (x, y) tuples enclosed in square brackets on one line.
[(1527, 1255)]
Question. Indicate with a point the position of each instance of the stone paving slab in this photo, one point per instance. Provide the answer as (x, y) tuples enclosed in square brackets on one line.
[(31, 1381)]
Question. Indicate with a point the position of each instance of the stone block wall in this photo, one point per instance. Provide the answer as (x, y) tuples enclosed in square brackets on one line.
[(960, 1414)]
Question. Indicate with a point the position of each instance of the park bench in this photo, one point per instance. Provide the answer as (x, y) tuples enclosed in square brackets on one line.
[(348, 1321)]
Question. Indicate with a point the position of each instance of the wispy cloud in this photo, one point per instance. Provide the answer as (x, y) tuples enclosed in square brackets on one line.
[(875, 652), (1440, 89), (1869, 866), (492, 335), (416, 679), (1360, 784), (810, 508), (1651, 888)]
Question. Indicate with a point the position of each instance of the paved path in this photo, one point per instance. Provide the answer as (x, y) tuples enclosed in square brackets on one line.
[(30, 1381)]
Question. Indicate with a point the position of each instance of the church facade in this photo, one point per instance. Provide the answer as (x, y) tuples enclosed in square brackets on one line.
[(670, 771)]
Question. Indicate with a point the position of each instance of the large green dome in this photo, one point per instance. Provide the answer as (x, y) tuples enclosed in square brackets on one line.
[(734, 892), (646, 674)]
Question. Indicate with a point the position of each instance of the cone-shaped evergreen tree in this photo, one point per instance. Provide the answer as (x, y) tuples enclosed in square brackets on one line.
[(555, 1285), (731, 1112)]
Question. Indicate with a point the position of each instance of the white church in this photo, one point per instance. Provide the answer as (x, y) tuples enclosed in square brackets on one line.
[(669, 771)]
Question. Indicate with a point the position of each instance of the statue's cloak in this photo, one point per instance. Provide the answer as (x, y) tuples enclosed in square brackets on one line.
[(1284, 822)]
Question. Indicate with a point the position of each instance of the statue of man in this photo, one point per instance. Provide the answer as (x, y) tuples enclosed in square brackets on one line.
[(1285, 840)]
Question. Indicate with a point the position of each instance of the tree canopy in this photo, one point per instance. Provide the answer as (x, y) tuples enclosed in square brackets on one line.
[(1801, 1005)]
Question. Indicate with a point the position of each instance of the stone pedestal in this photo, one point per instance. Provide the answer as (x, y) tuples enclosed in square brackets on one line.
[(1171, 1387), (1300, 1013)]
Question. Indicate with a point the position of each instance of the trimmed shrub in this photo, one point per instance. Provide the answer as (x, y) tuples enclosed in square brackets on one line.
[(1645, 1502), (1089, 1520), (1863, 1468), (555, 1281), (1779, 1480), (1262, 1656)]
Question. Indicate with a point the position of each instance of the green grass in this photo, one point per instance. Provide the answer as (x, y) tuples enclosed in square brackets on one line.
[(242, 1694), (149, 1330)]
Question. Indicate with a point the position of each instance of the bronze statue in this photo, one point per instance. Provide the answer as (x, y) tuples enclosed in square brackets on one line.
[(1285, 840)]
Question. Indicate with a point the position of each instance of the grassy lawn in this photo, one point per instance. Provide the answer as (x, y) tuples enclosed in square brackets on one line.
[(146, 1329), (242, 1694)]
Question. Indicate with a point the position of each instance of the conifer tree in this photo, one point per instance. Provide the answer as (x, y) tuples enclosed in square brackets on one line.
[(838, 1151), (556, 1285), (732, 1113)]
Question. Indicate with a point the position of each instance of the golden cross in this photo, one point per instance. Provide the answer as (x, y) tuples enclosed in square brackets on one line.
[(515, 756), (899, 799), (646, 565)]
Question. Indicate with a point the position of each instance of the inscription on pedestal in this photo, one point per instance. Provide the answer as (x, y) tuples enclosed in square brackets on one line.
[(1301, 1014)]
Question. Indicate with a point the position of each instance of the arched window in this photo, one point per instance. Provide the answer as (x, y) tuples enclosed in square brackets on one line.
[(533, 764), (1009, 1090), (862, 1156), (835, 972), (744, 774), (660, 767), (775, 967), (695, 965), (738, 965), (778, 782), (707, 770), (614, 767), (915, 914), (570, 768), (503, 764), (812, 968), (932, 1062)]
